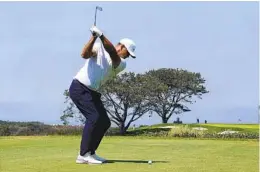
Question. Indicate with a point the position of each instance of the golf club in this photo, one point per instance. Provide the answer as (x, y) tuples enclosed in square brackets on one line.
[(97, 8)]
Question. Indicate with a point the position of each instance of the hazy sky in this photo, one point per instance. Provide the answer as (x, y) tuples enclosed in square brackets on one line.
[(41, 44)]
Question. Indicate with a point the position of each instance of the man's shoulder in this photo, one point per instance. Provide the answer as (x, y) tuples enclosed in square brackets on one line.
[(121, 66), (123, 63)]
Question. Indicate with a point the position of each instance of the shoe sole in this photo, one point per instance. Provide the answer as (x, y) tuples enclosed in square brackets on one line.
[(86, 162), (103, 160)]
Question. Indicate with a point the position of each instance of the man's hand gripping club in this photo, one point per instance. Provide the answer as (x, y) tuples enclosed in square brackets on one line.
[(109, 47)]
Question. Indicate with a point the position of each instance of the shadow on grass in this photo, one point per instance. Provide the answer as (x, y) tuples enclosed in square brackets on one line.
[(133, 161)]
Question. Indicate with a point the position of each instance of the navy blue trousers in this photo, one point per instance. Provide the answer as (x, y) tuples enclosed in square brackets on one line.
[(97, 121)]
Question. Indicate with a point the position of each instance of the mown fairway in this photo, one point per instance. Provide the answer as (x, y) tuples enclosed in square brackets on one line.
[(128, 154)]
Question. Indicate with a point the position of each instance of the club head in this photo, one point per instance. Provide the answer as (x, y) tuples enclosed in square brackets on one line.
[(99, 8)]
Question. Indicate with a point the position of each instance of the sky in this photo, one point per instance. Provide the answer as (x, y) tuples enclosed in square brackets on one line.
[(41, 44)]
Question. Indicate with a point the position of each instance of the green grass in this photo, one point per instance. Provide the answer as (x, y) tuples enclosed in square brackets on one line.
[(57, 154), (238, 127), (244, 128)]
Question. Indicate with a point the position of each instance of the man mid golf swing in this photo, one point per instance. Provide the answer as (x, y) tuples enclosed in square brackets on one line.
[(103, 61)]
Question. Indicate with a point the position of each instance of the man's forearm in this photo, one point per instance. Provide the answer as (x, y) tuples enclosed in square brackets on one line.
[(109, 47), (87, 50)]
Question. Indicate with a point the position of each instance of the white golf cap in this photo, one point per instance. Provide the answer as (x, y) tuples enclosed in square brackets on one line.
[(130, 46)]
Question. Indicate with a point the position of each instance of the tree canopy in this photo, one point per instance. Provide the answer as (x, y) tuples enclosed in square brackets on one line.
[(130, 96), (181, 86)]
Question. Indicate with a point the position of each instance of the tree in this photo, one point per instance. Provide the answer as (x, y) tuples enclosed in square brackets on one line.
[(182, 87), (127, 98), (70, 111)]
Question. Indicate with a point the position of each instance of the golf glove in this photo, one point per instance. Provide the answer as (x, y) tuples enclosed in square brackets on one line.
[(95, 31)]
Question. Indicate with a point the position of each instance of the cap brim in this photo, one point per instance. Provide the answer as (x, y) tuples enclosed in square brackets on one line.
[(132, 54)]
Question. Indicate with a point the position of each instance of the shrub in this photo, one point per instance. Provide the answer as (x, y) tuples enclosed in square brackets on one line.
[(4, 130), (185, 131)]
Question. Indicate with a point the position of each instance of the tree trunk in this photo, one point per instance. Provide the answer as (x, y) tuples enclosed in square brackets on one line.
[(164, 119), (122, 128)]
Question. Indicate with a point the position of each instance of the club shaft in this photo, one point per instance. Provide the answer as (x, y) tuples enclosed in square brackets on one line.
[(95, 21)]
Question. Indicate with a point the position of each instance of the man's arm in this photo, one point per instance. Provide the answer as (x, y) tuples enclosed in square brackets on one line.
[(87, 50), (109, 47)]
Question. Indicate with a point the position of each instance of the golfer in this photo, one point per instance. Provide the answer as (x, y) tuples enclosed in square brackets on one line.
[(103, 62)]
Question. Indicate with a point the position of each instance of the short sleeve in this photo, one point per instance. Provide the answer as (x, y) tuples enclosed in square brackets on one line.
[(96, 46), (121, 66)]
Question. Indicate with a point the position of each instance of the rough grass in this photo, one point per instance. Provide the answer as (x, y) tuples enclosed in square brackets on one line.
[(128, 154)]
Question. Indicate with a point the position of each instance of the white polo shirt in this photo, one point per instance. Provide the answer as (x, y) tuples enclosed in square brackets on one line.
[(97, 70)]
